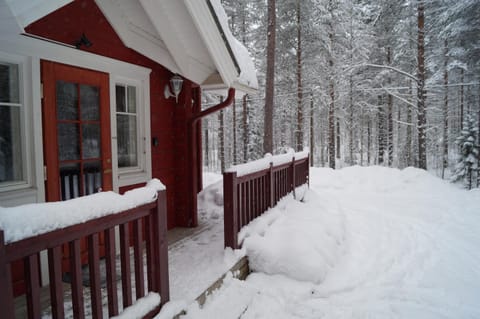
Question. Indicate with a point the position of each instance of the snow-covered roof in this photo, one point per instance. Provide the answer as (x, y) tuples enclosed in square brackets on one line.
[(188, 37)]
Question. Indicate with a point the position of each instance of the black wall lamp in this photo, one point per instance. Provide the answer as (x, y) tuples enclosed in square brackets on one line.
[(83, 41)]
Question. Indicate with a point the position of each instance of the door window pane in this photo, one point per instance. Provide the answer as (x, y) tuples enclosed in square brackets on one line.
[(92, 177), (70, 181), (68, 141), (90, 102), (67, 101), (9, 83), (90, 141), (11, 159)]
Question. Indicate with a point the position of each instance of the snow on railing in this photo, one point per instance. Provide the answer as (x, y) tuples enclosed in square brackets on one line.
[(250, 189), (73, 242)]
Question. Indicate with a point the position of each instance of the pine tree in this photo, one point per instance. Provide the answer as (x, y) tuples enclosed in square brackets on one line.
[(468, 162)]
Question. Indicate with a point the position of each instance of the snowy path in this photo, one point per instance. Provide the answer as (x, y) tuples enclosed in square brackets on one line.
[(408, 248)]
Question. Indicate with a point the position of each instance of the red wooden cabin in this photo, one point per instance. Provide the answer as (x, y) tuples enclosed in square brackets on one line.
[(85, 99)]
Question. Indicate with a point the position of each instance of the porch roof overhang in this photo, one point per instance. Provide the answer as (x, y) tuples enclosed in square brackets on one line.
[(188, 37)]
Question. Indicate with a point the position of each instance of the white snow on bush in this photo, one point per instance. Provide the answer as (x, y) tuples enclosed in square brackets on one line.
[(140, 307), (25, 221), (301, 240), (409, 250)]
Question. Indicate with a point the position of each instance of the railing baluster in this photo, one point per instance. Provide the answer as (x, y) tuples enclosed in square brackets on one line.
[(6, 293), (138, 259), (149, 252), (230, 208), (55, 276), (110, 264), (32, 279), (94, 274), (76, 279), (125, 265), (238, 211)]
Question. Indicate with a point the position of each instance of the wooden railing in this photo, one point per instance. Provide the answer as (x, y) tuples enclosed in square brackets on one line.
[(148, 236), (248, 196)]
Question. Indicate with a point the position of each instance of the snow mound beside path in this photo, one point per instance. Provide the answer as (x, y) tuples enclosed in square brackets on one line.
[(300, 240)]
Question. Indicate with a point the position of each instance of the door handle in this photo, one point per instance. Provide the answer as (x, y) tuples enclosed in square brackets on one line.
[(107, 171)]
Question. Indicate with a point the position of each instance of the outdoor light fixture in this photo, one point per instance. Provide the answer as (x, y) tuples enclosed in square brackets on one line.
[(176, 85), (83, 41)]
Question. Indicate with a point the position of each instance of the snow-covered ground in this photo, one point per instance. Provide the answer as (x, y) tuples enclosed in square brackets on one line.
[(364, 243)]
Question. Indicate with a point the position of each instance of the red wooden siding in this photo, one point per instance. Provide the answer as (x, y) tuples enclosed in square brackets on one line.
[(168, 121)]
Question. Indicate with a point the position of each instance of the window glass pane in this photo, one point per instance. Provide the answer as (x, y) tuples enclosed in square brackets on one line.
[(90, 141), (127, 140), (120, 97), (10, 144), (132, 100), (68, 142), (9, 84), (67, 99), (90, 102)]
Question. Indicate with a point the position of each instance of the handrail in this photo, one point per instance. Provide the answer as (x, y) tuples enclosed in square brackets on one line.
[(143, 227), (250, 195)]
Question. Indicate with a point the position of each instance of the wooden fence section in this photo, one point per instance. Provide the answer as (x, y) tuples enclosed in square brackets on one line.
[(149, 236), (247, 197)]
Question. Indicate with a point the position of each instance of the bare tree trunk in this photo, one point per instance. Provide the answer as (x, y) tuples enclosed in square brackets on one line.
[(221, 138), (207, 148), (312, 132), (362, 142), (234, 120), (337, 147), (409, 137), (445, 111), (270, 79), (350, 124), (299, 131), (381, 133), (331, 107), (421, 93), (369, 140), (462, 79), (245, 129), (322, 145), (390, 114)]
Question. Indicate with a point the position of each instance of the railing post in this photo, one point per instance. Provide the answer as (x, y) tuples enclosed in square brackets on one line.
[(230, 219), (308, 171), (272, 185), (6, 292), (293, 177), (160, 258)]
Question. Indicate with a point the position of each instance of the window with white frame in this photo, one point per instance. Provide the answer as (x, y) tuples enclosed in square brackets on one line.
[(12, 170), (127, 125)]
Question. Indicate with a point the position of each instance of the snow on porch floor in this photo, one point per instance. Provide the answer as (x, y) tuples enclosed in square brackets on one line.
[(196, 255)]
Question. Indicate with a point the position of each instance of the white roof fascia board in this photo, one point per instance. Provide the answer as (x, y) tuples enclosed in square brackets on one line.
[(161, 14), (28, 11), (134, 38), (207, 27)]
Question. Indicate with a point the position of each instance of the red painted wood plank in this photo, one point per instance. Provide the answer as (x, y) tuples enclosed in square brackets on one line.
[(55, 276), (32, 279), (125, 265), (138, 259), (149, 252), (94, 273), (6, 291), (76, 278), (111, 274)]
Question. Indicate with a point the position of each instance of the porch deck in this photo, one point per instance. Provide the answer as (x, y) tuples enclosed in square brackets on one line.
[(185, 282)]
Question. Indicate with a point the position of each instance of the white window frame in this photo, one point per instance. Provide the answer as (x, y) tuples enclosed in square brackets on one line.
[(24, 73), (143, 171)]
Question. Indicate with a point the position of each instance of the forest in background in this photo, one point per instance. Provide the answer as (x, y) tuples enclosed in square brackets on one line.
[(358, 82)]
